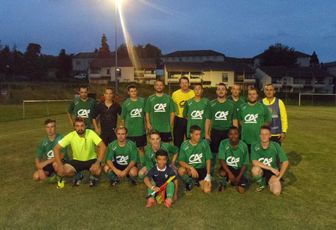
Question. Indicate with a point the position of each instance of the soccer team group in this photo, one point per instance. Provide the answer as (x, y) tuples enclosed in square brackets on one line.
[(189, 137)]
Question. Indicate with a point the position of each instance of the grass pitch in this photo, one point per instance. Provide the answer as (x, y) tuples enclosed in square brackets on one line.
[(307, 201)]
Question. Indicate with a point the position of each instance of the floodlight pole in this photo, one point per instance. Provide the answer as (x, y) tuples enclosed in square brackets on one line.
[(116, 45)]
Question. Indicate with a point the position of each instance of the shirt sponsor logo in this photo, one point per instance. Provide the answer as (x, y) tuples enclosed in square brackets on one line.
[(232, 161), (251, 118), (160, 108), (266, 161), (221, 115), (136, 112), (195, 158), (122, 160), (197, 114), (50, 154), (83, 113)]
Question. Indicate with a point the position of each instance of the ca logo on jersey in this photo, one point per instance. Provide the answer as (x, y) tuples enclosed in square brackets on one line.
[(195, 158), (160, 108), (122, 160), (232, 161), (83, 113), (221, 115), (197, 114), (136, 112), (266, 161), (251, 118), (50, 154)]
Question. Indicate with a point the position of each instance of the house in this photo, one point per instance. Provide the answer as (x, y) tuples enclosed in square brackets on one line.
[(81, 62), (296, 79), (209, 73), (193, 56), (302, 59), (330, 67), (146, 71), (102, 70)]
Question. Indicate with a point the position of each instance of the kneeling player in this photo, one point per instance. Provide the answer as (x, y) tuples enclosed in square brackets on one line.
[(195, 161), (161, 178), (45, 161), (83, 143), (233, 155), (265, 156), (155, 144), (121, 158)]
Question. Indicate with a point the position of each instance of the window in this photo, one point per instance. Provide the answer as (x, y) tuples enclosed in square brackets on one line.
[(108, 71), (225, 77), (78, 62)]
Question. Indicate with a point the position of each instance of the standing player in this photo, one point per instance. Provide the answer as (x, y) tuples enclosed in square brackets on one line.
[(133, 118), (160, 111), (107, 113), (235, 96), (45, 161), (195, 161), (279, 114), (233, 156), (121, 158), (180, 97), (265, 156), (83, 107), (252, 115), (222, 115), (196, 110), (157, 176), (85, 157), (155, 145)]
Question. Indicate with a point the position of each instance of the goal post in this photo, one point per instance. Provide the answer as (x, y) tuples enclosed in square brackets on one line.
[(318, 98), (47, 109)]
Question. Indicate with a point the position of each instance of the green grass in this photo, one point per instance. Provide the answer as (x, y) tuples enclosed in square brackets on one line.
[(307, 201)]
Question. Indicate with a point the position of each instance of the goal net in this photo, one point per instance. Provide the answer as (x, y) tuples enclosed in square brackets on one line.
[(42, 108), (323, 99)]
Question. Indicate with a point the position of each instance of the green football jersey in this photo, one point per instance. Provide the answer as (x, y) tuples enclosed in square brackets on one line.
[(150, 159), (159, 109), (251, 118), (222, 114), (234, 157), (83, 109), (237, 103), (197, 155), (196, 112), (270, 155), (133, 113), (122, 155), (45, 150)]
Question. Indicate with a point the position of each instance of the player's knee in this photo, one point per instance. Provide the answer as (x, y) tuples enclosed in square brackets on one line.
[(133, 172), (207, 188), (36, 176), (182, 171), (41, 175), (106, 168), (256, 171), (240, 189)]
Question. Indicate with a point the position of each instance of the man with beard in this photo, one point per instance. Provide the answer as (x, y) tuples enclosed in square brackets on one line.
[(180, 97), (222, 115), (252, 115), (83, 144), (160, 110)]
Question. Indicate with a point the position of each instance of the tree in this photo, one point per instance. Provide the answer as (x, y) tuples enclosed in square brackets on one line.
[(104, 50), (314, 60), (5, 60), (34, 66), (279, 55)]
